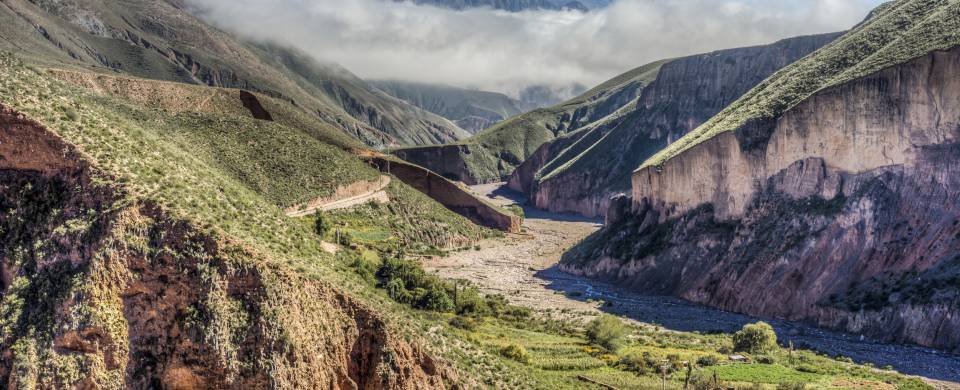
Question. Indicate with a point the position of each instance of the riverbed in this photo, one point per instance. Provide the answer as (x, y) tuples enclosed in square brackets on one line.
[(523, 268)]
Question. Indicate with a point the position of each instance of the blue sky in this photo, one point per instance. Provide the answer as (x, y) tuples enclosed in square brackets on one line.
[(504, 51)]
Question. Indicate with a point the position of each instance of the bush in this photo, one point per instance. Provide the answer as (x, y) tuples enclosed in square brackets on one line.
[(792, 386), (516, 210), (766, 359), (707, 361), (322, 224), (607, 331), (465, 323), (755, 338), (469, 302), (436, 299), (515, 352)]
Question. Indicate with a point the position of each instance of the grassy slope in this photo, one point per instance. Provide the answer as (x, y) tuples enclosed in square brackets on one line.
[(895, 33), (521, 135), (117, 35)]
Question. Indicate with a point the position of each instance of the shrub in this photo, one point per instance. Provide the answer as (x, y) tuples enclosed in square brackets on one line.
[(707, 361), (607, 331), (755, 338), (469, 302), (516, 210), (322, 225), (397, 290), (515, 352), (436, 299), (465, 323), (792, 386), (766, 359)]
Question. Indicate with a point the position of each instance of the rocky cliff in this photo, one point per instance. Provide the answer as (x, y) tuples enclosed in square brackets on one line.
[(581, 174), (102, 290), (839, 209)]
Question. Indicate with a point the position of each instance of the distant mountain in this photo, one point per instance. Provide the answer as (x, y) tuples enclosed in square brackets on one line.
[(509, 5), (493, 154), (473, 110), (539, 96), (160, 40)]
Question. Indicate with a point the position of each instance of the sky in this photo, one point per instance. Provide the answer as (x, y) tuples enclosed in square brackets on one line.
[(505, 52)]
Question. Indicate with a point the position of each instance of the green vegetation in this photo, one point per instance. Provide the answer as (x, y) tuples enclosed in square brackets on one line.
[(495, 152), (197, 53), (895, 33), (607, 331), (755, 338)]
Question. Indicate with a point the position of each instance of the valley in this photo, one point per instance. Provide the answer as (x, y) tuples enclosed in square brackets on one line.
[(189, 205), (524, 268)]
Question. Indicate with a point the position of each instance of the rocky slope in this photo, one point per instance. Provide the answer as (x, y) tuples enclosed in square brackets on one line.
[(100, 290), (472, 110), (161, 40), (493, 154), (827, 194), (581, 172)]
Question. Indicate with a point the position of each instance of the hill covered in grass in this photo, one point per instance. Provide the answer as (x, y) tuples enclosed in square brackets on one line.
[(161, 40), (492, 154)]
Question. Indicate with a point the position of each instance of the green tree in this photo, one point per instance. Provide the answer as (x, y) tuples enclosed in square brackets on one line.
[(607, 331), (322, 224), (755, 338), (436, 299)]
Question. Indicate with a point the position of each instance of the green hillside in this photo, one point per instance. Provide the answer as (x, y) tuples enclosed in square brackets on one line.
[(493, 153), (160, 40)]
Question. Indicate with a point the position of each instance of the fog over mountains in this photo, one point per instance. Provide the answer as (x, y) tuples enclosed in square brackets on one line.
[(505, 52)]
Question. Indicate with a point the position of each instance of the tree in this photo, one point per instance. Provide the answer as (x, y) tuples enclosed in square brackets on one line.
[(322, 225), (755, 338), (607, 331)]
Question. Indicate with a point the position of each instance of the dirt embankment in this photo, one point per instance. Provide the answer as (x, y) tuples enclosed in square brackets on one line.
[(449, 194), (103, 291)]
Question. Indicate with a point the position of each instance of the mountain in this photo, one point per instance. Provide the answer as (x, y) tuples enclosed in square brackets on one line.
[(828, 193), (492, 154), (580, 172), (508, 5), (472, 110), (161, 40)]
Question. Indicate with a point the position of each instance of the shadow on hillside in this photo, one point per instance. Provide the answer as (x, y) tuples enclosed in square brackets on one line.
[(506, 193)]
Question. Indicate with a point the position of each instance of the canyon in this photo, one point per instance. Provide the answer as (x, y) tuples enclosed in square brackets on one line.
[(840, 211), (580, 172)]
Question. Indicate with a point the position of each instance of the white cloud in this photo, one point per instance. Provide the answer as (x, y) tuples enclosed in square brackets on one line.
[(505, 51)]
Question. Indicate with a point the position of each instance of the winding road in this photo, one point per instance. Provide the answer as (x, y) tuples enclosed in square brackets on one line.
[(523, 268), (378, 195)]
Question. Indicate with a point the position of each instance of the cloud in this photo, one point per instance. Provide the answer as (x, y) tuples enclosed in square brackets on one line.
[(497, 50)]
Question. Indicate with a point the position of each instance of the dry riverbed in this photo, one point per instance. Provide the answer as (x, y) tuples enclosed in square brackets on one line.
[(522, 267)]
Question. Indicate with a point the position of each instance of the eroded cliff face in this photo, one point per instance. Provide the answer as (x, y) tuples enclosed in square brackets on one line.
[(102, 290), (686, 93), (844, 211)]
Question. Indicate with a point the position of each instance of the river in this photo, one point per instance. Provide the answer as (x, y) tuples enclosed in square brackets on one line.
[(523, 268)]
